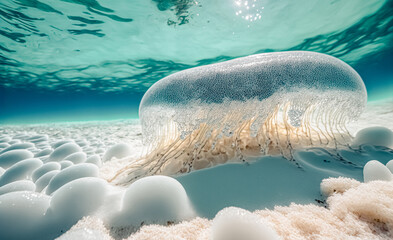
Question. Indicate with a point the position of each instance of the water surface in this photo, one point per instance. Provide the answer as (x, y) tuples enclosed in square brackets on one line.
[(93, 59)]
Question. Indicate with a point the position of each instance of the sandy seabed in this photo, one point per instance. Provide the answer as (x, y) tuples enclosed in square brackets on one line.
[(354, 211), (348, 209)]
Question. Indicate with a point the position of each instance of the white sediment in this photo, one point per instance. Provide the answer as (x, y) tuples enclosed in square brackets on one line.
[(40, 194), (358, 211)]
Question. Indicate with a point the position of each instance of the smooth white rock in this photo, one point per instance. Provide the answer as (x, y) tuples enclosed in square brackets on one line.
[(44, 180), (71, 173), (94, 159), (77, 199), (5, 139), (47, 167), (234, 223), (63, 151), (44, 158), (20, 171), (377, 136), (34, 150), (14, 141), (389, 165), (23, 215), (65, 164), (61, 142), (9, 158), (153, 199), (20, 136), (44, 152), (374, 170), (81, 142), (43, 145), (38, 138), (76, 158), (18, 146), (119, 150), (21, 185), (4, 145)]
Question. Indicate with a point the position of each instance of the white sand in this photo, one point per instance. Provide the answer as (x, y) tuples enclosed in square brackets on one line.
[(358, 211), (51, 178)]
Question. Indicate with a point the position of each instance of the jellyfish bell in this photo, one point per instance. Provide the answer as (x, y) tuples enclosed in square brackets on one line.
[(267, 103)]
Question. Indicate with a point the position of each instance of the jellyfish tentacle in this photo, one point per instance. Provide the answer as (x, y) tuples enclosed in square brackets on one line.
[(270, 103)]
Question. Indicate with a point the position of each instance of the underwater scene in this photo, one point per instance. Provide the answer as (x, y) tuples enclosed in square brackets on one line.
[(196, 119)]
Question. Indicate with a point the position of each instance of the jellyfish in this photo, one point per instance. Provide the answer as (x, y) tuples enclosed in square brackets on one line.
[(264, 104)]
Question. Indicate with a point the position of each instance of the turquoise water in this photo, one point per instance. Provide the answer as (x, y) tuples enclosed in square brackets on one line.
[(74, 60)]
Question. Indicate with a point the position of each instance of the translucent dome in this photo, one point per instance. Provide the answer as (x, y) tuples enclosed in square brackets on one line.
[(260, 82), (261, 104)]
